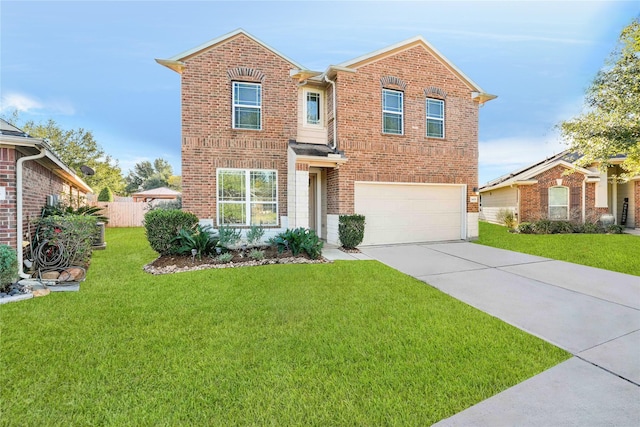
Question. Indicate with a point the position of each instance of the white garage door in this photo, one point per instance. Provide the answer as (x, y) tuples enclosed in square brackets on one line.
[(405, 213)]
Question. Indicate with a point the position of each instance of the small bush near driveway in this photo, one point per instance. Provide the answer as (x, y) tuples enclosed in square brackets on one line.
[(163, 225)]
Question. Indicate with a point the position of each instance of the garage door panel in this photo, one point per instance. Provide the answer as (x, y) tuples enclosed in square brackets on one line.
[(404, 213)]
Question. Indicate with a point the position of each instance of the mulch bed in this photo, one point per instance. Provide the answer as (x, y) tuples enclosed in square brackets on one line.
[(168, 264)]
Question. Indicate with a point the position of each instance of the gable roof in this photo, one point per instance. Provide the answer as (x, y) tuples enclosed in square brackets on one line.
[(566, 158), (14, 137), (176, 62), (411, 43)]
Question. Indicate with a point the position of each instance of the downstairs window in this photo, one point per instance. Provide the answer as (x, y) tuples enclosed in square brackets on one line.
[(247, 197)]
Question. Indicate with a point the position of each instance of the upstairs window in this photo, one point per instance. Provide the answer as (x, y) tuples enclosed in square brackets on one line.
[(392, 111), (435, 118), (247, 197), (559, 203), (313, 108), (247, 106)]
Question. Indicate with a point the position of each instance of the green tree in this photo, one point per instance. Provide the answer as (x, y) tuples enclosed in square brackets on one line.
[(611, 124), (106, 195), (147, 175), (76, 148), (175, 182)]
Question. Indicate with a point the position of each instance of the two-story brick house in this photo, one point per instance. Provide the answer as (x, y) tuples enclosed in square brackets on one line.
[(392, 135)]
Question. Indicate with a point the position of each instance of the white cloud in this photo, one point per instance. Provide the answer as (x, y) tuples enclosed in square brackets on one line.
[(20, 102), (32, 105)]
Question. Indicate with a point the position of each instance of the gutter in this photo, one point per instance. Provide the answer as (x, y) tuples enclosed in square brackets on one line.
[(19, 196), (335, 115)]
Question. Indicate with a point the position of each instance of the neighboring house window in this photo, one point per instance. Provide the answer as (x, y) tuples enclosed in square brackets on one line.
[(247, 105), (313, 108), (247, 197), (392, 111), (559, 203), (435, 118)]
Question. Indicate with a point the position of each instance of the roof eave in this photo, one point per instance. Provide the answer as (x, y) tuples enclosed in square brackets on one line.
[(196, 50), (482, 97), (177, 66)]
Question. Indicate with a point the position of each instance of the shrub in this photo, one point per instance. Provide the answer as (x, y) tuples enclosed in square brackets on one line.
[(225, 257), (591, 227), (62, 210), (228, 236), (162, 225), (71, 235), (351, 230), (297, 241), (8, 266), (525, 228), (615, 229), (561, 227), (542, 226), (201, 239), (106, 195), (256, 254), (506, 217), (254, 235)]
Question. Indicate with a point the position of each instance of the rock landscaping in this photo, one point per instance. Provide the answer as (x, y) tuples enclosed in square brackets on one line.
[(168, 264)]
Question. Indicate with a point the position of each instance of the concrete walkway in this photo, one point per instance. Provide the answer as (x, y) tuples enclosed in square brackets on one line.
[(592, 313)]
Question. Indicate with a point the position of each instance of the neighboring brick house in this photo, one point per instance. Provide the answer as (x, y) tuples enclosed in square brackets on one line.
[(392, 135), (545, 190), (44, 179)]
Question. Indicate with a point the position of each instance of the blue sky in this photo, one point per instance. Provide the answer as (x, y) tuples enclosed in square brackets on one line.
[(90, 64)]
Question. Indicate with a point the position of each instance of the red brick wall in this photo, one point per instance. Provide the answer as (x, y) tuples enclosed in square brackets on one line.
[(637, 203), (411, 157), (533, 208), (8, 206), (208, 140), (38, 182)]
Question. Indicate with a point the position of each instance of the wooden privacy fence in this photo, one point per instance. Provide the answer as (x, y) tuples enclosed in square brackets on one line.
[(123, 214)]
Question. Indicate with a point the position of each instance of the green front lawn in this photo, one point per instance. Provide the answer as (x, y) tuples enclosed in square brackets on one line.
[(348, 343), (615, 252)]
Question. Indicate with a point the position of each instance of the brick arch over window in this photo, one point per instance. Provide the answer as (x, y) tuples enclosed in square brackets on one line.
[(433, 91), (246, 74), (393, 81)]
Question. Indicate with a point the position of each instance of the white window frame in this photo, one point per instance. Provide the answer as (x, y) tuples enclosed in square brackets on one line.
[(236, 103), (557, 206), (398, 113), (247, 201), (435, 118), (305, 121)]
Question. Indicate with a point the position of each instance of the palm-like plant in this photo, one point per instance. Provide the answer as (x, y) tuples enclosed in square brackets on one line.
[(199, 239)]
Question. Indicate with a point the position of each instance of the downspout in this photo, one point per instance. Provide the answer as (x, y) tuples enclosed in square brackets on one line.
[(584, 199), (19, 197), (335, 117)]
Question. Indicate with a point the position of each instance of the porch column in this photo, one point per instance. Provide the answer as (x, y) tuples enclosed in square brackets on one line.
[(298, 197)]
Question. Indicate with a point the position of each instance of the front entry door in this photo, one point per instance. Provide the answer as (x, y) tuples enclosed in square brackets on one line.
[(312, 202)]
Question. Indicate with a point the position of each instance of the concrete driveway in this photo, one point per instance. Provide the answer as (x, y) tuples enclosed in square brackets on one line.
[(592, 313)]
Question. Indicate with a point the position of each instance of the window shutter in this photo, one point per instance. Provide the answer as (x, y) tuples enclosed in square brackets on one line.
[(544, 200), (575, 198)]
